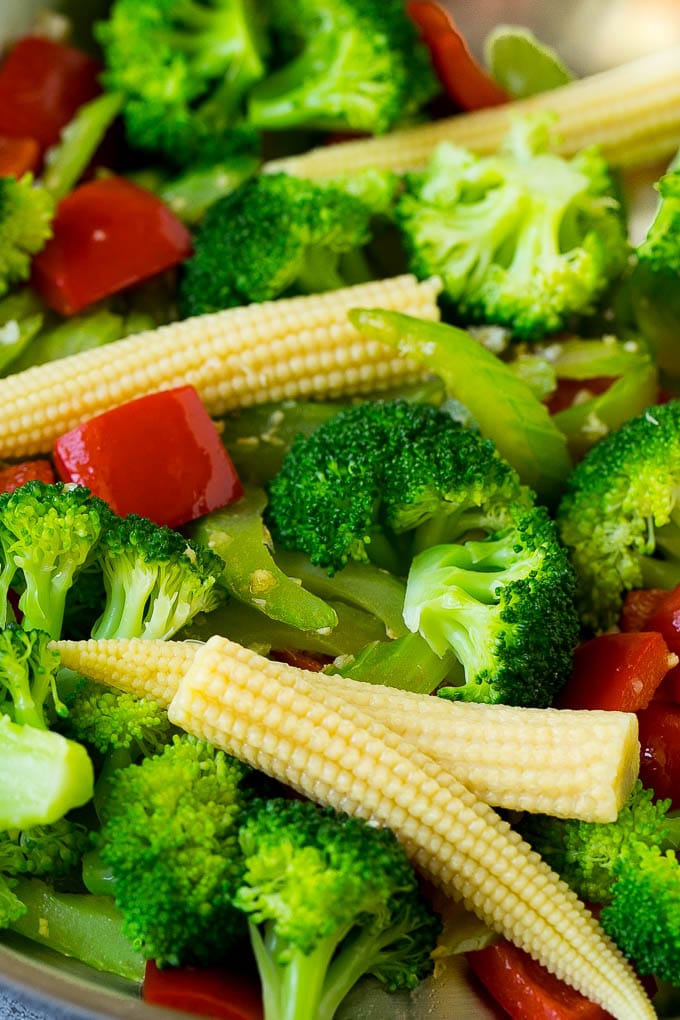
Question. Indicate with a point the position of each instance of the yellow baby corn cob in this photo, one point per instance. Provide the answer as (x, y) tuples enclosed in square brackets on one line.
[(632, 112), (564, 763), (236, 358), (337, 755)]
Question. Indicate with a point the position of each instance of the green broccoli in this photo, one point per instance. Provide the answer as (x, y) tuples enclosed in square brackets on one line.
[(45, 851), (170, 837), (155, 580), (184, 68), (652, 288), (277, 235), (110, 720), (44, 774), (524, 238), (329, 899), (630, 867), (47, 534), (619, 515), (504, 605), (488, 577), (26, 214), (349, 65), (380, 478)]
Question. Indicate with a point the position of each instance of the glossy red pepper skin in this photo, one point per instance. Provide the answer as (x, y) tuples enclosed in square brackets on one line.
[(15, 475), (158, 456), (42, 84), (464, 79), (525, 989), (616, 672), (108, 234), (18, 156), (210, 992), (660, 749)]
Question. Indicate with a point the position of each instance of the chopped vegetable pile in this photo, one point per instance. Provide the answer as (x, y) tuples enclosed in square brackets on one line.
[(339, 555)]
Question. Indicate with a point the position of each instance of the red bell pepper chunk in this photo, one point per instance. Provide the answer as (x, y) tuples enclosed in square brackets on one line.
[(525, 989), (42, 84), (638, 606), (568, 390), (210, 992), (618, 672), (107, 235), (159, 456), (464, 79), (659, 734), (18, 156), (15, 475)]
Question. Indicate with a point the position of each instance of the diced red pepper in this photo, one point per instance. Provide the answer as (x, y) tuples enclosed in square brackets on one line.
[(525, 989), (14, 475), (464, 79), (18, 156), (108, 234), (568, 390), (660, 749), (159, 456), (618, 672), (301, 660), (210, 992), (638, 606), (42, 84)]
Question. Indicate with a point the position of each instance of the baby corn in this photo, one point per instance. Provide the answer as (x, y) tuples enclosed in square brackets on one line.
[(568, 764), (632, 112), (339, 756), (295, 347)]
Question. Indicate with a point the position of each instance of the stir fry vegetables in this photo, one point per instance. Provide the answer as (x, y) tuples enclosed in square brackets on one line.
[(339, 601)]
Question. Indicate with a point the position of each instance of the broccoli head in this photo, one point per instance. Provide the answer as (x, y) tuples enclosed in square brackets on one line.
[(524, 238), (28, 670), (277, 235), (628, 865), (504, 605), (110, 720), (184, 67), (26, 214), (47, 534), (349, 65), (155, 580), (170, 837), (380, 471), (329, 899), (619, 515)]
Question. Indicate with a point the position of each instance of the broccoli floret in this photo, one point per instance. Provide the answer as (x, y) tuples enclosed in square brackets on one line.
[(504, 605), (109, 720), (47, 533), (379, 471), (276, 235), (329, 899), (45, 774), (46, 851), (171, 839), (155, 580), (653, 284), (26, 214), (184, 67), (619, 515), (524, 238), (629, 866), (354, 65)]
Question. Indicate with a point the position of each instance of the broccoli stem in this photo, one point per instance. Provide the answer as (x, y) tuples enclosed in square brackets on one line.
[(319, 272), (291, 990), (408, 663), (79, 925)]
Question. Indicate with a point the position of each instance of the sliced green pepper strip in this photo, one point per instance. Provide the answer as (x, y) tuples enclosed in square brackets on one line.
[(362, 585), (407, 663), (503, 405), (239, 537), (85, 927), (585, 423), (242, 623), (588, 359)]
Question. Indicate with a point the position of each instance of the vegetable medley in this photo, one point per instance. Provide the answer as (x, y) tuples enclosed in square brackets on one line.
[(339, 555)]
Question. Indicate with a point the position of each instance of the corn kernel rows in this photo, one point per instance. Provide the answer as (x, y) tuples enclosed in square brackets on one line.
[(632, 112), (336, 755), (568, 764), (290, 348)]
